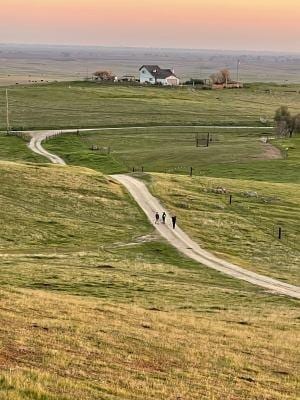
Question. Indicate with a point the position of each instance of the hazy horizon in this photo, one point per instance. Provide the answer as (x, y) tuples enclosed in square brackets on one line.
[(225, 50)]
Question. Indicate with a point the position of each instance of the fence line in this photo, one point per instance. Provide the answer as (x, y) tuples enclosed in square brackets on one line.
[(277, 230), (22, 135)]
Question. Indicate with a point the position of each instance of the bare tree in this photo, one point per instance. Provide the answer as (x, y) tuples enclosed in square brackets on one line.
[(105, 75), (221, 77), (214, 78), (225, 74)]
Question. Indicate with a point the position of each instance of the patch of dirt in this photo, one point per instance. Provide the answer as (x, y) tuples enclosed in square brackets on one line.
[(270, 152), (139, 240), (147, 238)]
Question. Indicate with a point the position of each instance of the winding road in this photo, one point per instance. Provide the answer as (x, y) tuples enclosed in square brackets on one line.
[(177, 238)]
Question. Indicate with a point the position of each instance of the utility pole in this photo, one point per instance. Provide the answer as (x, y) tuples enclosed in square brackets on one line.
[(238, 70), (7, 114)]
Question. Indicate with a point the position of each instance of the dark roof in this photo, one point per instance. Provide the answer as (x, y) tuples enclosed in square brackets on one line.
[(158, 72)]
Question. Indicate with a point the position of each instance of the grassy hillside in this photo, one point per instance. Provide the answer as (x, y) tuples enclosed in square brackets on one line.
[(285, 170), (93, 306), (244, 232), (79, 104), (13, 148), (232, 154), (161, 149), (57, 206)]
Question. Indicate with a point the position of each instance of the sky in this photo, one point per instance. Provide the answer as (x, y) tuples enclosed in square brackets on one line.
[(271, 25)]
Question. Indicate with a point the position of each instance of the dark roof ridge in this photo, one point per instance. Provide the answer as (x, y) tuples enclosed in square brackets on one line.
[(158, 72)]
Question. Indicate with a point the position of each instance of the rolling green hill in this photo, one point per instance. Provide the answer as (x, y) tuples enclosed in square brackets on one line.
[(160, 149), (245, 232), (94, 305)]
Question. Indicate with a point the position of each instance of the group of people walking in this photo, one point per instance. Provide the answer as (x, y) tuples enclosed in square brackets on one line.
[(164, 217)]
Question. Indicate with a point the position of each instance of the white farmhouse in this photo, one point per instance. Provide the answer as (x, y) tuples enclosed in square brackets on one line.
[(153, 74)]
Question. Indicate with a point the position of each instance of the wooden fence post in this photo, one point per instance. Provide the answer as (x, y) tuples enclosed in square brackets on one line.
[(207, 139)]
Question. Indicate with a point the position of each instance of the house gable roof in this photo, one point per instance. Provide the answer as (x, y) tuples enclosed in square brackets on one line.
[(157, 72)]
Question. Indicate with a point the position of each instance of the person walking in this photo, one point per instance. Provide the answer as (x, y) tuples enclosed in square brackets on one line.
[(157, 218), (174, 220), (164, 216)]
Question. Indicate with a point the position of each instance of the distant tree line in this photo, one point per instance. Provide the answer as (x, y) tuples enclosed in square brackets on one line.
[(286, 123)]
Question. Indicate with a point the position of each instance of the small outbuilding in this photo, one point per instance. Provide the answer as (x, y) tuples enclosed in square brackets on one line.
[(128, 78)]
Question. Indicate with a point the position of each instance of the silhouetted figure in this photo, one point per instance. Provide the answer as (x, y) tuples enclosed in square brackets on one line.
[(157, 218), (174, 219), (164, 216)]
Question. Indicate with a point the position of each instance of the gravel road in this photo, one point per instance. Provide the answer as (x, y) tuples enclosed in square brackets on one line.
[(177, 238)]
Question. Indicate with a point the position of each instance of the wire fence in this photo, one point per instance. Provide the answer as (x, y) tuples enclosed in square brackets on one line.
[(238, 202), (246, 204), (277, 228), (23, 135)]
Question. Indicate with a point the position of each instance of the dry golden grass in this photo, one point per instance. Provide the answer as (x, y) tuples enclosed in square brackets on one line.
[(89, 312), (57, 346)]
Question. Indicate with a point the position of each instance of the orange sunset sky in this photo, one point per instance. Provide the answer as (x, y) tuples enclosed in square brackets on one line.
[(215, 24)]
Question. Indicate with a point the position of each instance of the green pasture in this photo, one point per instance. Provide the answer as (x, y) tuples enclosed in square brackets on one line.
[(233, 153), (245, 232), (94, 305), (79, 104), (159, 149), (280, 170)]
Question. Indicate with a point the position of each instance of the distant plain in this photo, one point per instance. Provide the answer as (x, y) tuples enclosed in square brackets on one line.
[(29, 63)]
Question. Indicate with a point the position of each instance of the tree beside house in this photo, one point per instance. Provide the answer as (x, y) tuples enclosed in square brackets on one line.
[(106, 76)]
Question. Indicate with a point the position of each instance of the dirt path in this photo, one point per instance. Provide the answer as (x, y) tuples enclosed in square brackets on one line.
[(187, 246), (35, 145), (177, 238)]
